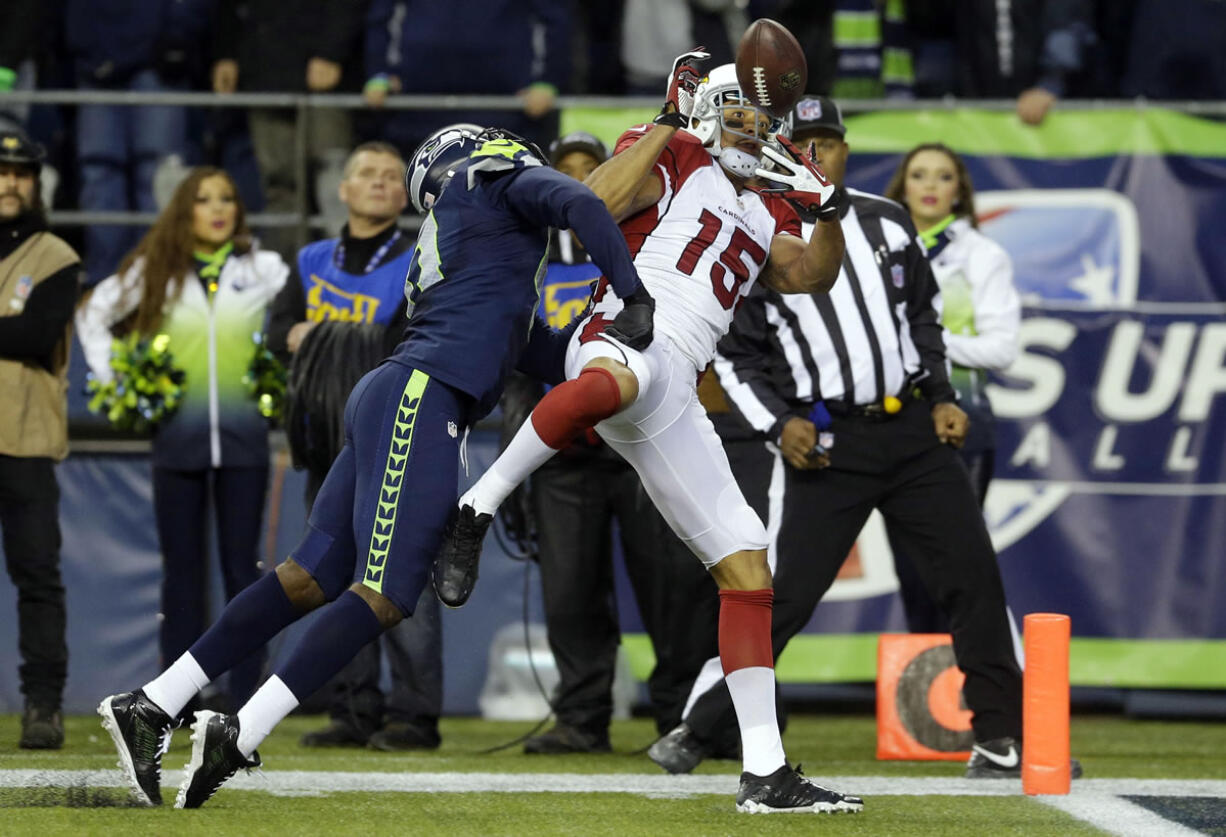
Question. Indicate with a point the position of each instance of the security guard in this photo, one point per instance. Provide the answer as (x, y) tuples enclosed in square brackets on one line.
[(39, 283)]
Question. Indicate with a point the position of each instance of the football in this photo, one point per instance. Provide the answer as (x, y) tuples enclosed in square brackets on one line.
[(771, 67)]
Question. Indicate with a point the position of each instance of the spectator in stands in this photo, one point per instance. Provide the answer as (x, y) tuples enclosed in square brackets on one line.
[(1176, 50), (339, 315), (293, 46), (120, 148), (16, 38), (431, 47), (38, 290), (1038, 51), (654, 32), (19, 37), (872, 50), (597, 38), (31, 56), (855, 48), (197, 277)]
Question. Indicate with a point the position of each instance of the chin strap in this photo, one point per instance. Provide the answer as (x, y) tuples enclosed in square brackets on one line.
[(738, 162)]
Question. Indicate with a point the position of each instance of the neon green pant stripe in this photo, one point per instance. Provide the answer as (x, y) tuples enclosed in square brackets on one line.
[(393, 480)]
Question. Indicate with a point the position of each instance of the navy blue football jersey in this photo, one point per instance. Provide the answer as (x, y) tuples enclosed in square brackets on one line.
[(474, 283)]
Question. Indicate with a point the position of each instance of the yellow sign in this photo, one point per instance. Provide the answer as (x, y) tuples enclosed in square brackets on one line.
[(561, 305), (326, 301)]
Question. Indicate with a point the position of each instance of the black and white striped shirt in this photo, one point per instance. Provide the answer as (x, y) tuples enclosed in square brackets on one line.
[(877, 333)]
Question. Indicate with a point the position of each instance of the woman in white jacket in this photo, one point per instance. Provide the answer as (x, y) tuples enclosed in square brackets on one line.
[(197, 278), (980, 308), (981, 313)]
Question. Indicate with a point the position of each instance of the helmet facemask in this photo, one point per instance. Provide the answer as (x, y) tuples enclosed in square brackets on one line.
[(721, 107)]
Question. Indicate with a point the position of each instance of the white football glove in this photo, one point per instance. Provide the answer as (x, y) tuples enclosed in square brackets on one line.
[(804, 182), (679, 104)]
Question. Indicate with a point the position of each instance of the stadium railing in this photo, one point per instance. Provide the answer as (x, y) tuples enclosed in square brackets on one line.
[(92, 439), (302, 219)]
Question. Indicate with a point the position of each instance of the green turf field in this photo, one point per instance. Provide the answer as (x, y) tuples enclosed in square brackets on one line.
[(620, 794)]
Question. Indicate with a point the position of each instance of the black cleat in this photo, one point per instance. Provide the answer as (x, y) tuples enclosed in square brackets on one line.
[(1001, 758), (335, 734), (215, 758), (563, 739), (141, 732), (455, 568), (680, 751), (787, 791), (400, 735), (42, 728)]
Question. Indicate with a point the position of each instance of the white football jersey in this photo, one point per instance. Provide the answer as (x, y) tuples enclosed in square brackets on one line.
[(699, 249)]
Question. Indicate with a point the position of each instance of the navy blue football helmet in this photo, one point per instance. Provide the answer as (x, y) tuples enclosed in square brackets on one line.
[(436, 159)]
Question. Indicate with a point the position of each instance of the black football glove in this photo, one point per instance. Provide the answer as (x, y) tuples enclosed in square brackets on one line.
[(804, 182), (679, 104), (633, 324)]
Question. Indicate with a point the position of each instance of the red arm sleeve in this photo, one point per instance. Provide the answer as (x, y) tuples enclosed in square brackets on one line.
[(682, 156)]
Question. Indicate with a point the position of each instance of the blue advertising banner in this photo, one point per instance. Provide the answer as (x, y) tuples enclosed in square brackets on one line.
[(1109, 502)]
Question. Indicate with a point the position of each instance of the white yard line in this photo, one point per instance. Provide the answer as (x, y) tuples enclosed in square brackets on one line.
[(1119, 816), (651, 784), (1094, 801)]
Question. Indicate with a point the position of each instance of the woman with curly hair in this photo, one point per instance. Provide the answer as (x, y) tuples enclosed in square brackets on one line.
[(199, 279)]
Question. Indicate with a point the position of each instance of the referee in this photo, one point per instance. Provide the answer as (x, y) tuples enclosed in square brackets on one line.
[(851, 389)]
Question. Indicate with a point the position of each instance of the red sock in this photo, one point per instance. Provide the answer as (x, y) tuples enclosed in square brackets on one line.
[(745, 629), (572, 407)]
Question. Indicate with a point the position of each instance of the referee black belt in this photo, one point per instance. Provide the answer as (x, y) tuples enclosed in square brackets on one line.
[(876, 411)]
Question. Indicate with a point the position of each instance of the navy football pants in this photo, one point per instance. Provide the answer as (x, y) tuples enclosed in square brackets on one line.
[(381, 512)]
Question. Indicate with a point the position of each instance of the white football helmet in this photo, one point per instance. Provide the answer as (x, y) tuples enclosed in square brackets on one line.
[(716, 92)]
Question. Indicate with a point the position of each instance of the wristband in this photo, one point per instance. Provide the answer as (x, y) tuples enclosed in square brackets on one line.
[(379, 81), (640, 297), (676, 119), (8, 77)]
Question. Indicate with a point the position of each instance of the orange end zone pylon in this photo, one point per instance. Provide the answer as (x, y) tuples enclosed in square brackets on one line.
[(1045, 704)]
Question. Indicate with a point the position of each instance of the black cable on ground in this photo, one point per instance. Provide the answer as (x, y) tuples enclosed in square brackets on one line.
[(525, 554)]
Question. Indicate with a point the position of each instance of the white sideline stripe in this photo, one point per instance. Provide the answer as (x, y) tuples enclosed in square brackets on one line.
[(1094, 801), (651, 784), (1119, 816)]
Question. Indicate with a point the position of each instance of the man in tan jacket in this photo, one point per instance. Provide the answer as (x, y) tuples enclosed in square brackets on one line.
[(39, 281)]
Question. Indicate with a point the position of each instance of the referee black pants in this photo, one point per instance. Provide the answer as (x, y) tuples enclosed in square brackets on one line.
[(575, 504), (922, 490)]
